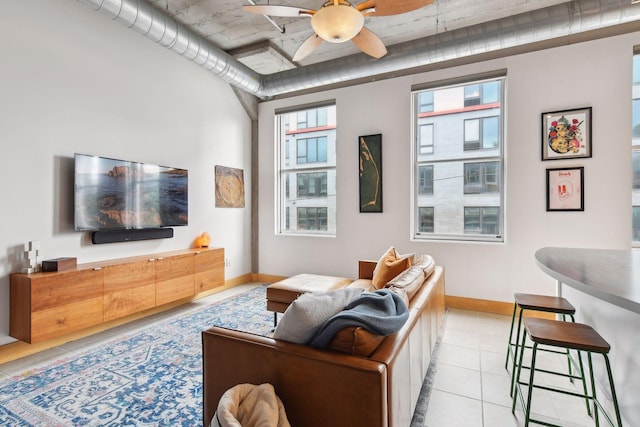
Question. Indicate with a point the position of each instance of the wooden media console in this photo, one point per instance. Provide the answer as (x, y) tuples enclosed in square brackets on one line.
[(49, 305)]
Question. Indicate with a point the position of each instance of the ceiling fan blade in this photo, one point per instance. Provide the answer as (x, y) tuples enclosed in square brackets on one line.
[(271, 10), (370, 44), (307, 47), (390, 7)]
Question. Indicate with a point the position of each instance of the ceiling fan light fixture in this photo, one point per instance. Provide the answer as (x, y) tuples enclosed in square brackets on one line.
[(337, 23)]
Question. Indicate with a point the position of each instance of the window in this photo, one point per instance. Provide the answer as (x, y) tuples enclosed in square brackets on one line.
[(425, 102), (425, 184), (481, 133), (636, 223), (425, 219), (481, 220), (481, 177), (312, 184), (306, 167), (312, 219), (486, 93), (312, 118), (425, 140), (312, 150), (635, 148), (458, 188)]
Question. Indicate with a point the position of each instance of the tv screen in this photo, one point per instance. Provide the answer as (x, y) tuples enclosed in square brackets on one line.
[(113, 194)]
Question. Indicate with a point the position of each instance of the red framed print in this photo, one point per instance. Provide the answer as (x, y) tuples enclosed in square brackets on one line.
[(565, 189)]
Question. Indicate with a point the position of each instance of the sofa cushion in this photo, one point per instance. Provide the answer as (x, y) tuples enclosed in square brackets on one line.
[(388, 267), (355, 340), (412, 278), (365, 284), (309, 311)]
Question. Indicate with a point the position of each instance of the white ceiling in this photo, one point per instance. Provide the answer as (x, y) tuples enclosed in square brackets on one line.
[(260, 45)]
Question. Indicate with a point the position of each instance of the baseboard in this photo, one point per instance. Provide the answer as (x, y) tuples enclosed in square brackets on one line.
[(489, 306), (266, 278)]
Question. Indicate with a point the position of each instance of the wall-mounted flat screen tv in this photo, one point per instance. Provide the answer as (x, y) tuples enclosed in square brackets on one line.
[(113, 194)]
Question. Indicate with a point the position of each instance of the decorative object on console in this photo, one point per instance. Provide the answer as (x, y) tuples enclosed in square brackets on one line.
[(566, 134), (565, 189), (31, 257), (229, 187), (203, 240), (59, 264), (370, 149)]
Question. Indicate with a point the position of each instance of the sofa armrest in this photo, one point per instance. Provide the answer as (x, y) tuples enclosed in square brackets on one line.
[(365, 269), (316, 387)]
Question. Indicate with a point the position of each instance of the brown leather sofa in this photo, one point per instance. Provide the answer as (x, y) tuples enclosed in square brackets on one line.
[(327, 388)]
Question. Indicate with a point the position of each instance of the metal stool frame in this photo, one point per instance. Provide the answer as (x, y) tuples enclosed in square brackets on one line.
[(512, 347), (593, 397)]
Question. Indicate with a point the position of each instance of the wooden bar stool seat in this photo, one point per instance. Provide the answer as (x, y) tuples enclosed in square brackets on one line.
[(540, 303), (569, 336), (546, 303)]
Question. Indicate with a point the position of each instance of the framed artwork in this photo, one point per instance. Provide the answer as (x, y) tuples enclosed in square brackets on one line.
[(565, 189), (370, 150), (566, 134), (229, 187)]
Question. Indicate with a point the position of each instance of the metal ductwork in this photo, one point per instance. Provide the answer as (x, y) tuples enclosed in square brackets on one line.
[(567, 19), (155, 24)]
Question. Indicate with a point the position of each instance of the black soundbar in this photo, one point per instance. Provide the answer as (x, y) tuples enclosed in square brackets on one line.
[(113, 236)]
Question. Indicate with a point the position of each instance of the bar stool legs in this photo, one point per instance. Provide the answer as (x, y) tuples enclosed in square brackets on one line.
[(571, 336), (541, 303)]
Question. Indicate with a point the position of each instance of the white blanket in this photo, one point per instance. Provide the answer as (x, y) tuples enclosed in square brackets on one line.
[(249, 405)]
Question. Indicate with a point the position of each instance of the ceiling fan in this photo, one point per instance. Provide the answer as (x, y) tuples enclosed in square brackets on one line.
[(338, 21)]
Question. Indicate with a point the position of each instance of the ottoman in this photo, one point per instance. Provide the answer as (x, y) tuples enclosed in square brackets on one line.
[(281, 294)]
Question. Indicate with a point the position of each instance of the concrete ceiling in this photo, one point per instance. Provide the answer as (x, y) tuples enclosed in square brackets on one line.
[(257, 43)]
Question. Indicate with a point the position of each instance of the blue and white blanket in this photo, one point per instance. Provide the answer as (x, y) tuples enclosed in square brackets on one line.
[(382, 312)]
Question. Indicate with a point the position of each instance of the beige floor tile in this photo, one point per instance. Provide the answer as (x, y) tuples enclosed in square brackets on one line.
[(456, 355), (461, 337), (493, 363), (456, 380), (451, 410), (495, 389), (501, 416)]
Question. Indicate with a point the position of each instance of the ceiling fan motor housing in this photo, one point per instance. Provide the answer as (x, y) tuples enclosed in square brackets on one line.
[(337, 23)]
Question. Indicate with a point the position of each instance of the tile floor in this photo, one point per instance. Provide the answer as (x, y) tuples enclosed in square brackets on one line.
[(471, 385)]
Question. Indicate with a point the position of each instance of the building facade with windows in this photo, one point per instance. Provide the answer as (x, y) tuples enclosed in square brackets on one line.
[(307, 171), (459, 162), (635, 149)]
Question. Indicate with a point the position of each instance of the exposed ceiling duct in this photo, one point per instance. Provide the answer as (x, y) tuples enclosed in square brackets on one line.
[(563, 20)]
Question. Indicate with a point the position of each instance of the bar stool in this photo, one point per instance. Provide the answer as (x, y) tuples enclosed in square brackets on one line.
[(542, 303), (571, 336)]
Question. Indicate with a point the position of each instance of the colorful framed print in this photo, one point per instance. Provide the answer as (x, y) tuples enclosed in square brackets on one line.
[(565, 189), (566, 134), (370, 149)]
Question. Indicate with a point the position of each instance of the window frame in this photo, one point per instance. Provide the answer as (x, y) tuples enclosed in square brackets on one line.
[(287, 168), (487, 197)]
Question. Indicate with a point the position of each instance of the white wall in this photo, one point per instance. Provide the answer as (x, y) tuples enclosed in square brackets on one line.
[(72, 80), (561, 78)]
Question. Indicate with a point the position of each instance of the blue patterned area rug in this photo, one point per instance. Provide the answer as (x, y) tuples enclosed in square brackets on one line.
[(152, 377)]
